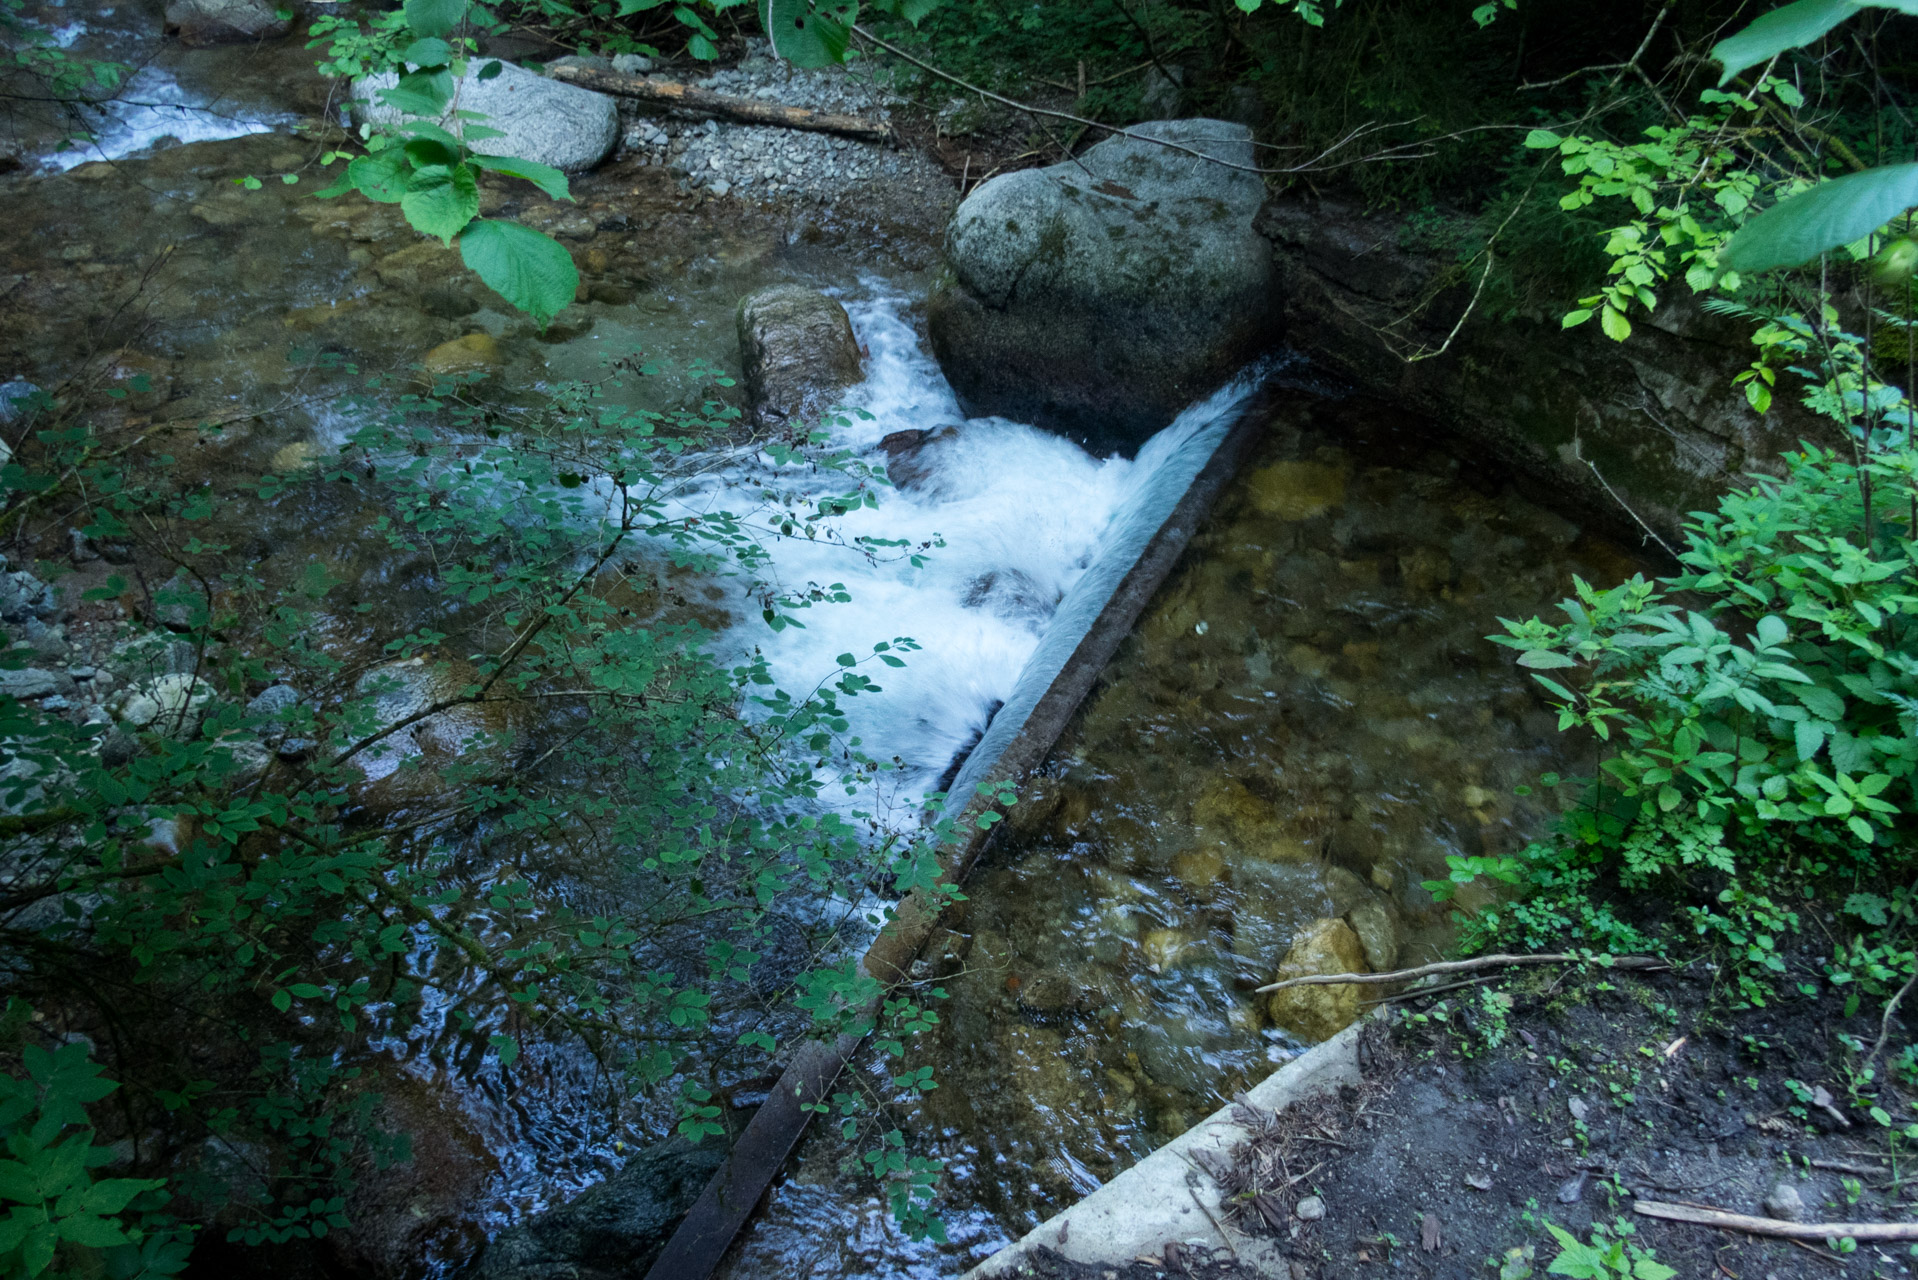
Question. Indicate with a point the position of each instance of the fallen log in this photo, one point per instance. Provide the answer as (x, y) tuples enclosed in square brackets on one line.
[(667, 93), (1773, 1227), (1455, 966)]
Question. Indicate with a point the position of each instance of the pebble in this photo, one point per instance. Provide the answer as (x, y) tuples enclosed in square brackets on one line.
[(1310, 1209), (1785, 1204), (727, 159)]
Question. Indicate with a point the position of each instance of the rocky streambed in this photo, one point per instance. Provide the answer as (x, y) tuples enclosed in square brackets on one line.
[(1307, 723)]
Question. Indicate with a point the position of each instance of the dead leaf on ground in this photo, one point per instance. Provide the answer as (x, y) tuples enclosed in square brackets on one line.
[(1479, 1181), (1430, 1238)]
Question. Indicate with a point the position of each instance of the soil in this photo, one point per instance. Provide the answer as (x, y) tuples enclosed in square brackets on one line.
[(1476, 1127)]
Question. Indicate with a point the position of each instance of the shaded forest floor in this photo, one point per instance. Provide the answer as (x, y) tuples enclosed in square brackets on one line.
[(1560, 1097)]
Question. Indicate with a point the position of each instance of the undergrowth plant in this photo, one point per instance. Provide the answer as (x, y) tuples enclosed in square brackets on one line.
[(1755, 714), (506, 806)]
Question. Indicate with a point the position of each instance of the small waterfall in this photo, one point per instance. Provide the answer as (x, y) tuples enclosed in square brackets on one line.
[(1035, 532)]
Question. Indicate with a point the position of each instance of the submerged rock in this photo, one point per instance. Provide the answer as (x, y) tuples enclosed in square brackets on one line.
[(913, 454), (1315, 1013), (557, 124), (209, 22), (475, 353), (1100, 296), (797, 350), (615, 1230)]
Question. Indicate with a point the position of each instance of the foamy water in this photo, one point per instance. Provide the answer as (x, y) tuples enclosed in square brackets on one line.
[(1022, 515), (151, 106)]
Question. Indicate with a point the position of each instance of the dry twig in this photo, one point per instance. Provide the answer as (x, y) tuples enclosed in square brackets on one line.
[(1772, 1227), (1457, 966)]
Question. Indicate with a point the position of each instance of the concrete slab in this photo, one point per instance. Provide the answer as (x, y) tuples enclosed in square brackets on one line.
[(1168, 1195)]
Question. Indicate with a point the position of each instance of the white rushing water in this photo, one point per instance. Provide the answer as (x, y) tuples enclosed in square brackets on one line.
[(152, 105), (1023, 515)]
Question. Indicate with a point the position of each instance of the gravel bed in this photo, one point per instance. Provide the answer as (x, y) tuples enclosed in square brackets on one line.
[(762, 164)]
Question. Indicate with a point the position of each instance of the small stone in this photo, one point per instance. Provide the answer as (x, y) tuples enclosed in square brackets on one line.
[(1785, 1204), (82, 673), (632, 64), (1310, 1209), (476, 353), (1579, 1108), (54, 703)]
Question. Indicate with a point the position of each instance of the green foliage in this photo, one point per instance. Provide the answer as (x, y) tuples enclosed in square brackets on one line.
[(1789, 697), (427, 164), (1611, 1255), (1828, 216), (56, 1209), (416, 869), (530, 270)]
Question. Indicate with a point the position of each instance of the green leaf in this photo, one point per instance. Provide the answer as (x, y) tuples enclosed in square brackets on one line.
[(430, 52), (420, 93), (545, 177), (1540, 139), (1791, 27), (382, 175), (531, 271), (1652, 1269), (442, 205), (1799, 228), (110, 1195), (95, 1233), (1614, 323), (809, 33), (434, 17), (1544, 660)]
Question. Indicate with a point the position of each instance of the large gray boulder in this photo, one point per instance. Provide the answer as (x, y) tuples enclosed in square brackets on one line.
[(1101, 296), (562, 125), (796, 350), (615, 1230), (200, 23)]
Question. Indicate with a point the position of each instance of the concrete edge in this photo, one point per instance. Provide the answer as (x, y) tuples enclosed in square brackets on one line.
[(1169, 1196)]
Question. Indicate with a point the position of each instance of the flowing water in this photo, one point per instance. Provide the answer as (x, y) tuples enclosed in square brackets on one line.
[(1306, 723)]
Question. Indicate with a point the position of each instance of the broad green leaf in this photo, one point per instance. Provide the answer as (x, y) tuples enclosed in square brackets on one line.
[(1614, 323), (434, 17), (430, 52), (1799, 228), (627, 7), (443, 203), (94, 1232), (431, 153), (1544, 660), (531, 271), (110, 1195), (382, 175), (545, 177), (809, 34), (420, 93), (1791, 27), (490, 71)]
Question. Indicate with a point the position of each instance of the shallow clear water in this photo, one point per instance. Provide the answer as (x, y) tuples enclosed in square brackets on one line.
[(1306, 722)]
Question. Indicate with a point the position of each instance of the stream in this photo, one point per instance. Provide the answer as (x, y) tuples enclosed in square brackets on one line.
[(1304, 725)]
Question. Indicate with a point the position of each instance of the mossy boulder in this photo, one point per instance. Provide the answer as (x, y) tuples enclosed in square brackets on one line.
[(1319, 1012), (1100, 296)]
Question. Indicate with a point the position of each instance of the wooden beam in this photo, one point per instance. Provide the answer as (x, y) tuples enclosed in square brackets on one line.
[(757, 111)]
